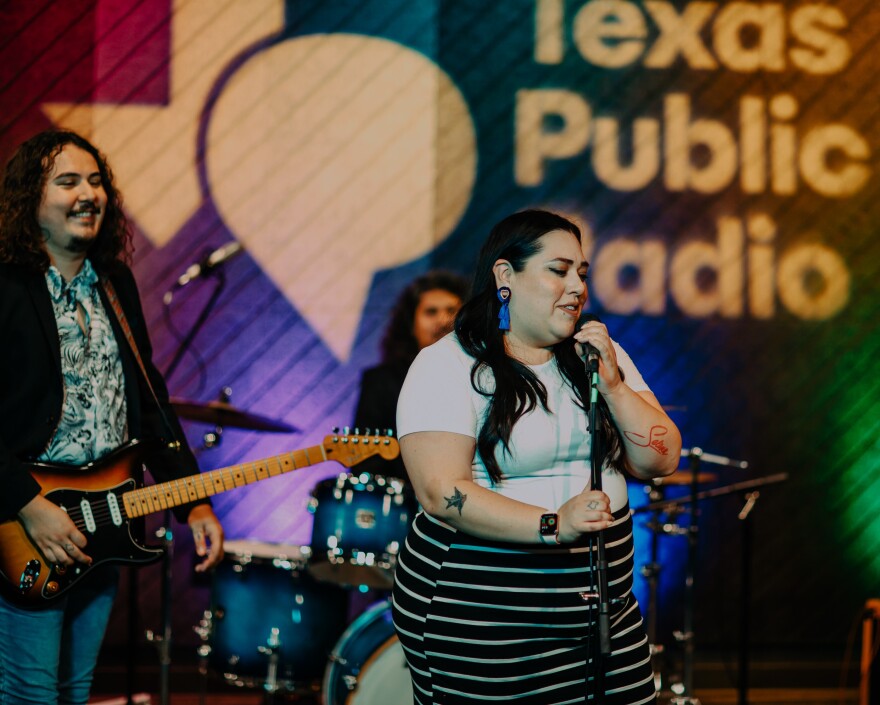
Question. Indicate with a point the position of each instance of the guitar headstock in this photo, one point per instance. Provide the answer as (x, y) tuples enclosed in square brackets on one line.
[(350, 449)]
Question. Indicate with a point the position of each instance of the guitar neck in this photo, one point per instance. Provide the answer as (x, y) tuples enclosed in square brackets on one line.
[(166, 495)]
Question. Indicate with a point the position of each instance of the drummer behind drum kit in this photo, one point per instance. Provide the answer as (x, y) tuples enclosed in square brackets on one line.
[(279, 612)]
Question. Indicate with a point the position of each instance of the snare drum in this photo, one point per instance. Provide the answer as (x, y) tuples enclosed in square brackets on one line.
[(368, 667), (360, 523), (267, 612)]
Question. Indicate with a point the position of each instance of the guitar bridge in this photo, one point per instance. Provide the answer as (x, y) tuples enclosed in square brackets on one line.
[(29, 576)]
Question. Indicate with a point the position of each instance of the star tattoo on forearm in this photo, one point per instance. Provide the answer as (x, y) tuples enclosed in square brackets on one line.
[(456, 501)]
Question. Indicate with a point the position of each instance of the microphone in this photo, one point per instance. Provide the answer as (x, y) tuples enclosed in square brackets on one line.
[(203, 268), (592, 360)]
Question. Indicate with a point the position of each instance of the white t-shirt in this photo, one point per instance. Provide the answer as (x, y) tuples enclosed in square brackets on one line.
[(549, 459)]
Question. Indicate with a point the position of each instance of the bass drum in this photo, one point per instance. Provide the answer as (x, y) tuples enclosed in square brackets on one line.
[(368, 667), (272, 625)]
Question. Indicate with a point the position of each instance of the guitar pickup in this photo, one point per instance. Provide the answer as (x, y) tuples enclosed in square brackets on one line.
[(88, 517), (29, 576), (113, 505)]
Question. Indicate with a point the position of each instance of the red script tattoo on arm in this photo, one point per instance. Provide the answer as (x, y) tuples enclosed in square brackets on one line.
[(653, 441)]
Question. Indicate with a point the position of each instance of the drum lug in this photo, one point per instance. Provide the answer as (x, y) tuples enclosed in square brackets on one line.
[(204, 627), (368, 659), (273, 643), (336, 658), (351, 682)]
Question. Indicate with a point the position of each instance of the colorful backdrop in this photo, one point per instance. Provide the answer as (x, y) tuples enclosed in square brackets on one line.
[(721, 157)]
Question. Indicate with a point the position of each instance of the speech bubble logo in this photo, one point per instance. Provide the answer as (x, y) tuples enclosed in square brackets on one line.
[(333, 156), (153, 147)]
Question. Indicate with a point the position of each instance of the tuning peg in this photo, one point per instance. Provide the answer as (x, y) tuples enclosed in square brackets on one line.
[(346, 430), (389, 432), (336, 429)]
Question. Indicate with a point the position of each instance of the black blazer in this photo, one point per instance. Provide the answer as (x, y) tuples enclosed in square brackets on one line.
[(377, 408), (31, 386)]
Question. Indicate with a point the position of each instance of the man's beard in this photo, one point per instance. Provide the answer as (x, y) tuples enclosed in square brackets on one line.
[(78, 245)]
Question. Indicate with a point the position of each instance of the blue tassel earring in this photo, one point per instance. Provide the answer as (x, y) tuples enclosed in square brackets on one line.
[(504, 312)]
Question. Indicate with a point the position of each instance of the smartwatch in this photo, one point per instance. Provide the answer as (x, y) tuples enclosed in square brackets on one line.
[(549, 529)]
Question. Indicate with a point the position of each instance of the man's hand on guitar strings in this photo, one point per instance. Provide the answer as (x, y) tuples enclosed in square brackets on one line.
[(53, 532)]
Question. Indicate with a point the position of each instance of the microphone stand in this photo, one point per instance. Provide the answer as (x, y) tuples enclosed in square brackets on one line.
[(602, 648), (200, 321), (163, 640)]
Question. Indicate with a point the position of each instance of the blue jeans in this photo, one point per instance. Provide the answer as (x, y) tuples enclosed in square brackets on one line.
[(48, 656)]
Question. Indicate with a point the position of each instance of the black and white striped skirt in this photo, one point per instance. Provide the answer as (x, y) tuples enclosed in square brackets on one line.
[(487, 621)]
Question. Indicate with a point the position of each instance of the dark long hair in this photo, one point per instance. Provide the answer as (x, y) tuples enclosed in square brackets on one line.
[(399, 346), (21, 240), (517, 390)]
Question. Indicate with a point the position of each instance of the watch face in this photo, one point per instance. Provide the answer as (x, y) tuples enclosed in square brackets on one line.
[(548, 524)]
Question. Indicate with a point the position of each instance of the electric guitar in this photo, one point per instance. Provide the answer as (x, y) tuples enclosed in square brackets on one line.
[(102, 499)]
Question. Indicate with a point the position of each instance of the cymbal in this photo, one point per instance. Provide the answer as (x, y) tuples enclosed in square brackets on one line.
[(684, 477), (220, 413)]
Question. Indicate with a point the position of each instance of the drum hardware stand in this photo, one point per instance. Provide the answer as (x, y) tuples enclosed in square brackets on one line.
[(684, 690), (163, 641), (651, 572), (686, 635), (203, 651), (744, 516), (131, 638), (273, 645), (214, 437)]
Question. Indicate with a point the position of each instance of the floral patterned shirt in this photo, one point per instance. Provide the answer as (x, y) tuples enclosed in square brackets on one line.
[(93, 414)]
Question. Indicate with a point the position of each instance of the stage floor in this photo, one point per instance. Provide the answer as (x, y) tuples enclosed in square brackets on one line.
[(758, 696)]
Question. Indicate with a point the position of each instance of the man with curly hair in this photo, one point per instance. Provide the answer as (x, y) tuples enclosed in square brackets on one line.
[(72, 391)]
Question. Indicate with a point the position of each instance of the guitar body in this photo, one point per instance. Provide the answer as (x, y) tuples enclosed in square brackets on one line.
[(92, 497)]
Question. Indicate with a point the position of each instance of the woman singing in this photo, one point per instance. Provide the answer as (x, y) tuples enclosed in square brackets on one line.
[(492, 419)]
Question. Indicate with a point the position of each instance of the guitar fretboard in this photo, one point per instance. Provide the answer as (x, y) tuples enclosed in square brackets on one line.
[(166, 495)]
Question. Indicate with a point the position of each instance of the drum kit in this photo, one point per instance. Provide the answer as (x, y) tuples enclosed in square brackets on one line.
[(278, 620), (279, 613), (679, 517)]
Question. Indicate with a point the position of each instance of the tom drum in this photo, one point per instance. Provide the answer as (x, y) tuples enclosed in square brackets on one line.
[(360, 523)]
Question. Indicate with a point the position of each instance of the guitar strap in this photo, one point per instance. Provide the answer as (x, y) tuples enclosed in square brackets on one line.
[(110, 290)]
